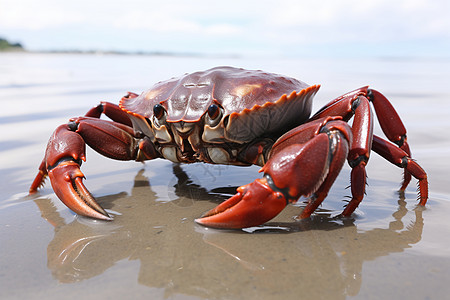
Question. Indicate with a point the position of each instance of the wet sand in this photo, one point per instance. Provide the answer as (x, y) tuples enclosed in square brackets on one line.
[(390, 249)]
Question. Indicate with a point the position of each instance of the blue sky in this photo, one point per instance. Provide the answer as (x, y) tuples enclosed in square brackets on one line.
[(281, 28)]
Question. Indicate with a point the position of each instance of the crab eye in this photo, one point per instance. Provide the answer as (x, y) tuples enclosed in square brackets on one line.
[(158, 111), (213, 111), (214, 114)]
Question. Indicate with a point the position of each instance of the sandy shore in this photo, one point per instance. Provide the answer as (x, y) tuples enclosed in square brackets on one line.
[(390, 249)]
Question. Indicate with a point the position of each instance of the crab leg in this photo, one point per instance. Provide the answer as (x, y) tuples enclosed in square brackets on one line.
[(401, 158), (392, 127), (112, 111), (356, 104), (388, 118), (358, 157), (304, 161), (66, 151)]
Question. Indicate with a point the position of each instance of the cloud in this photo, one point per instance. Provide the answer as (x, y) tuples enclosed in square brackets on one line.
[(380, 20), (242, 25), (169, 22), (35, 15)]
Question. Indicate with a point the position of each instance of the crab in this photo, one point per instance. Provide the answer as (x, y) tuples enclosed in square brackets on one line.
[(228, 115)]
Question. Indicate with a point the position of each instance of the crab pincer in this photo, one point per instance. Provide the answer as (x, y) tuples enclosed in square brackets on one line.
[(67, 182), (295, 169), (66, 151), (254, 204), (63, 157)]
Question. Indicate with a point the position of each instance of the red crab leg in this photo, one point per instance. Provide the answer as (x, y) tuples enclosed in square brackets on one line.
[(388, 118), (355, 104), (402, 159), (112, 111), (358, 157), (392, 127), (66, 150), (305, 161)]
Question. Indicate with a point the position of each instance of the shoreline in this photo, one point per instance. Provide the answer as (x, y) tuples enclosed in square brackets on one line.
[(122, 53)]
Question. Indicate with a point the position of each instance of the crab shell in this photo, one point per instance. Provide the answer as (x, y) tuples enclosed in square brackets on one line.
[(253, 104)]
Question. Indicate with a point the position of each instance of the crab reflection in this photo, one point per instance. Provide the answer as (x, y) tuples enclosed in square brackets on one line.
[(184, 258)]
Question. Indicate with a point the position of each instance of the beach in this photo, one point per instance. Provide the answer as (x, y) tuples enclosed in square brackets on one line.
[(389, 249)]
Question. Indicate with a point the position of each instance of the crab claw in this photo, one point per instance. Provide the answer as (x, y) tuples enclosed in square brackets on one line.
[(67, 182), (63, 157), (254, 204)]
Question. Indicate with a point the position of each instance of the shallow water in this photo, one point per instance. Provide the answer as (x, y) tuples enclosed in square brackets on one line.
[(389, 249)]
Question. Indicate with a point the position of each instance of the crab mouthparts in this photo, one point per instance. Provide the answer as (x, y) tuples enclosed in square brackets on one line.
[(185, 137), (184, 128), (186, 148)]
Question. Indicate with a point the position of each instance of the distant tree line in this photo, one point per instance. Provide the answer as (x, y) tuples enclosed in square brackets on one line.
[(6, 45)]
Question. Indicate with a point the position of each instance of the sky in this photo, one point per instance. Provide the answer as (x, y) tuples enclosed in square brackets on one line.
[(281, 28)]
